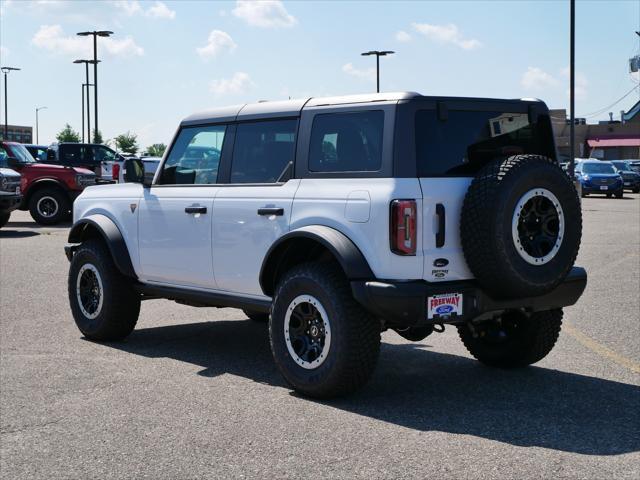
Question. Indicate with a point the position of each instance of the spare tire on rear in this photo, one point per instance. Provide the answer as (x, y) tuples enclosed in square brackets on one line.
[(521, 226)]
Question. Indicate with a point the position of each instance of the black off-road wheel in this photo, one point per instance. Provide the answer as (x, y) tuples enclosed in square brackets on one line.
[(515, 340), (4, 219), (323, 342), (104, 304), (257, 316), (521, 226), (49, 206)]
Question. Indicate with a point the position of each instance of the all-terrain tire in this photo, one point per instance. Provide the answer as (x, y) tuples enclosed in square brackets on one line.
[(114, 313), (4, 219), (490, 211), (354, 334), (509, 346), (49, 206), (257, 316)]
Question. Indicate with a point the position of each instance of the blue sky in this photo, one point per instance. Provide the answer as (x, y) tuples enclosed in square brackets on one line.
[(169, 59)]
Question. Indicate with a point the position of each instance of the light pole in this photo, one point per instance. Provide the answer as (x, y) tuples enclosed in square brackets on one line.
[(96, 34), (37, 110), (6, 70), (378, 54), (86, 64), (572, 91)]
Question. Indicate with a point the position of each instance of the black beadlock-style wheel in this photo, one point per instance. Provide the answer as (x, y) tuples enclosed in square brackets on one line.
[(515, 340), (323, 342), (103, 302), (521, 226), (49, 206)]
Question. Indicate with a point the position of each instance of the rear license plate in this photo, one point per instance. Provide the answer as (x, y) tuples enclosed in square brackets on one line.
[(604, 187), (444, 306)]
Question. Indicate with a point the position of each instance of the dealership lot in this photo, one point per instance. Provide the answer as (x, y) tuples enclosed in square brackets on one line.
[(194, 392)]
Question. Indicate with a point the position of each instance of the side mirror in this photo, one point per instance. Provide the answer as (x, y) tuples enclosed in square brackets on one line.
[(13, 162), (134, 172)]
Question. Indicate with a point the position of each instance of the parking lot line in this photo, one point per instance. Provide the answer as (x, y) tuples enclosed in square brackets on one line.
[(600, 349)]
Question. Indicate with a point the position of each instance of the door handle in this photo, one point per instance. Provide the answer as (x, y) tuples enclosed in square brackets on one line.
[(440, 234), (268, 211), (193, 210)]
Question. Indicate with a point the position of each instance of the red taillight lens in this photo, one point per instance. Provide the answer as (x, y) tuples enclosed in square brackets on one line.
[(115, 171), (404, 227)]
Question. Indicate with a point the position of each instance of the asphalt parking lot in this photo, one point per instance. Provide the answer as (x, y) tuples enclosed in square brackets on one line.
[(194, 392)]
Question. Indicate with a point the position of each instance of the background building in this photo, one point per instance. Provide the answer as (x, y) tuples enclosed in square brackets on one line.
[(17, 133)]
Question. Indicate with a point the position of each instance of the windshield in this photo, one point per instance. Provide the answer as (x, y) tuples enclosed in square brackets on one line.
[(20, 152), (598, 168)]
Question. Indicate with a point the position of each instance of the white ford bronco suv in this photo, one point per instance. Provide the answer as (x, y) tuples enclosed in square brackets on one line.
[(334, 219)]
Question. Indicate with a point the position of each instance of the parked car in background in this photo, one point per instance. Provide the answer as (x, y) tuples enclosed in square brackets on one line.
[(95, 157), (39, 152), (630, 178), (598, 176), (635, 165), (10, 194), (48, 190)]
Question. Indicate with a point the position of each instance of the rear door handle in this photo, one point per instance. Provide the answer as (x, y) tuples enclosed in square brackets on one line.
[(194, 210), (440, 234), (268, 211)]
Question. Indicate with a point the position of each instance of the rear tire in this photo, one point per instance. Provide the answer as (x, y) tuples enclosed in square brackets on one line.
[(636, 190), (517, 341), (520, 226), (4, 219), (104, 303), (49, 206), (323, 342)]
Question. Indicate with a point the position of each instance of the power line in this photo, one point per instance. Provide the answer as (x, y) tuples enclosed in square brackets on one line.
[(604, 109)]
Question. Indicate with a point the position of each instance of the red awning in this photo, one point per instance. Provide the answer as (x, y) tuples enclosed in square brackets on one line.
[(614, 142)]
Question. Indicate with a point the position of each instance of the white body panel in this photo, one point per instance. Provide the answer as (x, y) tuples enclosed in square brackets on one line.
[(175, 247), (241, 237), (450, 193), (341, 203)]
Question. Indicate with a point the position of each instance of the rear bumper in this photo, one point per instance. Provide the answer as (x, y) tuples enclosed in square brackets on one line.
[(404, 304)]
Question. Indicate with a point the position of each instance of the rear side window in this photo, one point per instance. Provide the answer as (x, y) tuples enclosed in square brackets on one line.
[(263, 151), (194, 157), (457, 146), (346, 142), (76, 154)]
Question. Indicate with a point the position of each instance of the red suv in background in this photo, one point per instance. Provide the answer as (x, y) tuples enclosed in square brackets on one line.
[(48, 190)]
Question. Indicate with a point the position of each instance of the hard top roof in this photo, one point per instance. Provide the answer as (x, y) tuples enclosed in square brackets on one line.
[(292, 108)]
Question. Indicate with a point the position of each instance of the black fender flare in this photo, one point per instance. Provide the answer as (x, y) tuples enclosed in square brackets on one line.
[(350, 258), (111, 235), (44, 182)]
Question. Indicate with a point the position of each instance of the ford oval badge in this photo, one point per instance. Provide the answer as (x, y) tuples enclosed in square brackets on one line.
[(440, 262)]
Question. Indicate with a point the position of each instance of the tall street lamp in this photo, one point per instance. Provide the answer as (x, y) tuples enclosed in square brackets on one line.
[(6, 70), (86, 64), (96, 34), (378, 54), (37, 110)]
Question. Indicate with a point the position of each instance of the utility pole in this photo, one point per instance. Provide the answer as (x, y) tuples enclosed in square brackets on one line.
[(378, 54), (87, 84), (6, 70), (572, 96), (37, 110)]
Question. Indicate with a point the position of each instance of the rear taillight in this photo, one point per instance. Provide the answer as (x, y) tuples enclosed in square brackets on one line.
[(115, 171), (403, 234)]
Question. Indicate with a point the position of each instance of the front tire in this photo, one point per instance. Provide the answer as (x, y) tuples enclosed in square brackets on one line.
[(515, 340), (619, 194), (103, 302), (4, 219), (49, 206), (323, 342)]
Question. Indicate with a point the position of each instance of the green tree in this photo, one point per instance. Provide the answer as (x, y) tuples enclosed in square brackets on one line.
[(97, 136), (127, 142), (156, 150), (68, 134)]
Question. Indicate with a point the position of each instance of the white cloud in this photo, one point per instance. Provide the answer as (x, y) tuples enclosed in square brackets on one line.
[(239, 83), (133, 7), (446, 34), (402, 36), (537, 79), (160, 10), (264, 13), (217, 43), (366, 74), (53, 39)]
